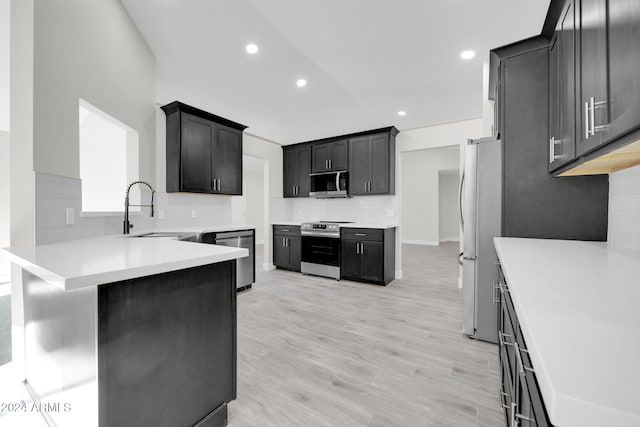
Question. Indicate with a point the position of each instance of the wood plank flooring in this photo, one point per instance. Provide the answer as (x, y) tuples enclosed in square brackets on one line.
[(318, 352)]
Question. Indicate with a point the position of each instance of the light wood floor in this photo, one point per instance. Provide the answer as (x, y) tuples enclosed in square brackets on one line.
[(318, 352)]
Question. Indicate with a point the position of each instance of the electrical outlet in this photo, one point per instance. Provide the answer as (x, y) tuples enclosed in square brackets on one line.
[(160, 213), (194, 213), (71, 216)]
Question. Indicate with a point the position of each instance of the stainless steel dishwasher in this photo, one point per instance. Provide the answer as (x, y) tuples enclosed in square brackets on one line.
[(245, 267)]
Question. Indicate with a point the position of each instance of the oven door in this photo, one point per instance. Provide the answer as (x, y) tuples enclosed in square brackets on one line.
[(321, 250)]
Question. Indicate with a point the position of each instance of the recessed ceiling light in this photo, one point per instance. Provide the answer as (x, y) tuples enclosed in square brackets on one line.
[(467, 54), (252, 48), (301, 83), (402, 113)]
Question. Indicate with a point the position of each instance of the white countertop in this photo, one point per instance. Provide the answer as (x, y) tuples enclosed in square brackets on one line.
[(578, 308), (90, 262), (343, 225), (200, 229)]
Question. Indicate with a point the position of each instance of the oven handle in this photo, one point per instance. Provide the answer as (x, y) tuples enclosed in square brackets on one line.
[(320, 234)]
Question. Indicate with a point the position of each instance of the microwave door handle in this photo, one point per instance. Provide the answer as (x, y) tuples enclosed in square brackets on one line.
[(338, 181)]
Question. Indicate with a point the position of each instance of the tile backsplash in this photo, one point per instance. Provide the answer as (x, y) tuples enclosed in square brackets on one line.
[(366, 209), (624, 208), (54, 194)]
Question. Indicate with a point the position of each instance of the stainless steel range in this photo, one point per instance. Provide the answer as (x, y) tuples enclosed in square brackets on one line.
[(321, 248)]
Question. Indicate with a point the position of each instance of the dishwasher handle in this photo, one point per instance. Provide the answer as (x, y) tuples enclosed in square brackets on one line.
[(234, 234)]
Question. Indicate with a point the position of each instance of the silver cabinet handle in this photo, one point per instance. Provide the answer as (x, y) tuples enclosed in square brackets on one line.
[(365, 186), (285, 230), (496, 286), (326, 164), (329, 163), (502, 336), (586, 120), (361, 234), (503, 401), (287, 242), (592, 103), (283, 242), (522, 417), (551, 151)]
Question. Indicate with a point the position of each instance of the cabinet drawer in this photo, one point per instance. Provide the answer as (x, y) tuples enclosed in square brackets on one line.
[(362, 234), (286, 230)]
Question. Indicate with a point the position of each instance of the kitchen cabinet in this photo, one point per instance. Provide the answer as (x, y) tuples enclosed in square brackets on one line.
[(535, 203), (592, 77), (562, 121), (596, 43), (372, 164), (296, 169), (520, 395), (203, 151), (368, 255), (287, 247), (329, 156)]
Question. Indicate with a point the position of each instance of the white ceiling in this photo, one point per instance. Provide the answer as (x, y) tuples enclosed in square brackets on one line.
[(364, 60)]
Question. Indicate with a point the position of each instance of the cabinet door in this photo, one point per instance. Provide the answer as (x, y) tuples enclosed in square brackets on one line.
[(304, 169), (350, 259), (624, 63), (379, 164), (593, 99), (338, 155), (320, 158), (359, 170), (567, 26), (290, 172), (280, 252), (227, 160), (554, 100), (372, 261), (294, 248), (195, 154)]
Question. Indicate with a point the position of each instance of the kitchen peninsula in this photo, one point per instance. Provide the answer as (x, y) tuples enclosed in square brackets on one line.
[(130, 330)]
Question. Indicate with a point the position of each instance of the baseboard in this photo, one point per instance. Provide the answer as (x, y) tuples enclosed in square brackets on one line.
[(268, 267), (398, 274), (422, 242), (449, 239)]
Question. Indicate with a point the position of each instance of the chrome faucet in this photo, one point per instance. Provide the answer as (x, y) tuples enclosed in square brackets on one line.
[(127, 226)]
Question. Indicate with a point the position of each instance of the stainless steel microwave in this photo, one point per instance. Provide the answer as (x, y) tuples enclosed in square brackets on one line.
[(329, 184)]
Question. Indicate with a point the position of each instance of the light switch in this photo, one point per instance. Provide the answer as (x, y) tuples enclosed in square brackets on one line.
[(194, 213), (160, 213), (71, 216)]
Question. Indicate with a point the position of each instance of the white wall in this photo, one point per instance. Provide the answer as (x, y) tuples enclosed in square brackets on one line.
[(449, 227), (89, 49), (624, 208), (420, 189), (4, 64), (253, 193), (4, 203)]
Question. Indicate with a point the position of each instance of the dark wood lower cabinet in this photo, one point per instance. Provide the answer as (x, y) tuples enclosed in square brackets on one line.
[(287, 247), (368, 255), (167, 348), (520, 395)]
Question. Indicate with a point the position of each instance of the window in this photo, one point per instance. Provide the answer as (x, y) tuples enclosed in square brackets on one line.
[(108, 160)]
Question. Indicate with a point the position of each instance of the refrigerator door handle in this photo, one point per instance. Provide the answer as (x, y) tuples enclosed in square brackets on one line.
[(460, 192)]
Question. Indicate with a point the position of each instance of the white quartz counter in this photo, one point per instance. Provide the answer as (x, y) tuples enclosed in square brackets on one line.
[(90, 262), (577, 304), (194, 230)]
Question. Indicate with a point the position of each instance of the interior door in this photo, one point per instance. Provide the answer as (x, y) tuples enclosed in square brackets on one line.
[(195, 154)]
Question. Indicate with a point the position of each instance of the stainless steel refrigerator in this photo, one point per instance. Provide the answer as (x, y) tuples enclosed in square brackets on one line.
[(481, 216)]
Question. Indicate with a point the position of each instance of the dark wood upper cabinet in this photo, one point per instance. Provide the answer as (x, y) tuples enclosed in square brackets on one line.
[(592, 75), (368, 156), (203, 151), (296, 169), (562, 121), (624, 66), (372, 163), (329, 156)]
